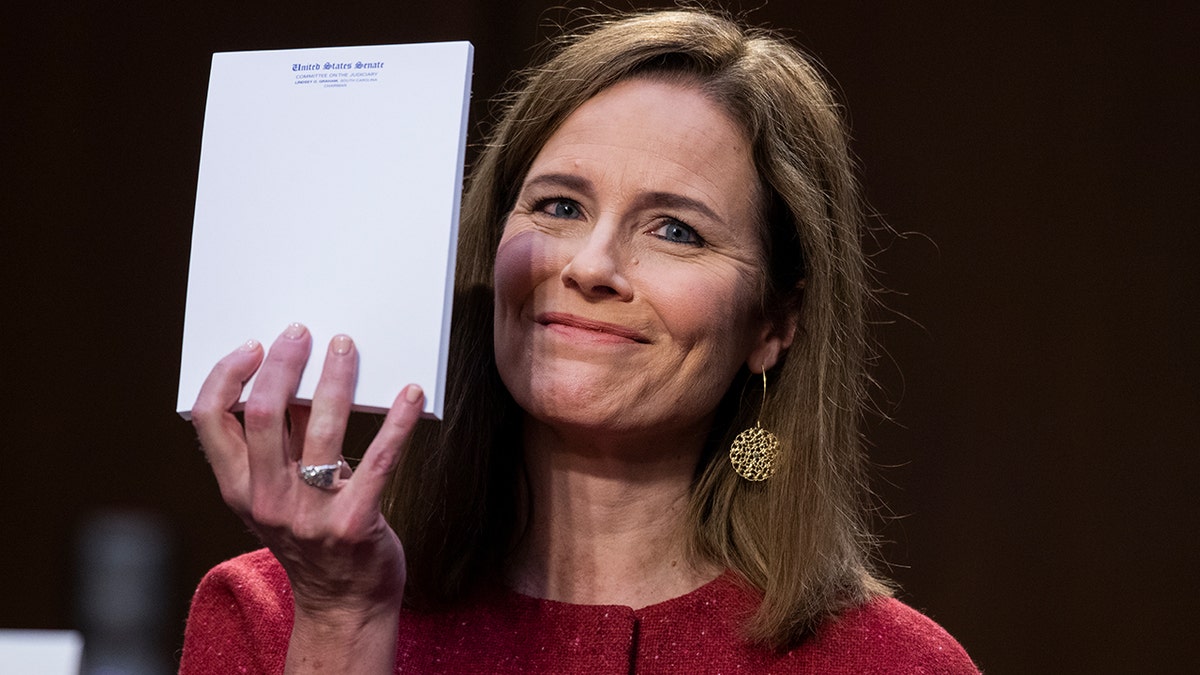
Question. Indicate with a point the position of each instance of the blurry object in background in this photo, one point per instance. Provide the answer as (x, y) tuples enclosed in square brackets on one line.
[(40, 652), (122, 593)]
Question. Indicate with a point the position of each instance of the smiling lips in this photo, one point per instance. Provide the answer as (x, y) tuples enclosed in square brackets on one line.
[(597, 330)]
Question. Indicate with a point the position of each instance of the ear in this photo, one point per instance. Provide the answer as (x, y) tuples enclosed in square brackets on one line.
[(775, 336), (771, 344)]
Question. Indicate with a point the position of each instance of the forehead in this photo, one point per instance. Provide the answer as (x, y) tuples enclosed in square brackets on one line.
[(655, 99), (668, 135)]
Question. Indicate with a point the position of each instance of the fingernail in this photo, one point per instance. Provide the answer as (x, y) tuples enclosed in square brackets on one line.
[(341, 344), (249, 346), (295, 331), (414, 393)]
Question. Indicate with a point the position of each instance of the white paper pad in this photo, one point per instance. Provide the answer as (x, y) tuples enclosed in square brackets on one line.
[(328, 194)]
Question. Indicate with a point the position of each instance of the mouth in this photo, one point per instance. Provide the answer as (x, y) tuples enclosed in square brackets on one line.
[(599, 328)]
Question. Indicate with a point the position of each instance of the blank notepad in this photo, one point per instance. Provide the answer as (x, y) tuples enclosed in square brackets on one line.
[(328, 194)]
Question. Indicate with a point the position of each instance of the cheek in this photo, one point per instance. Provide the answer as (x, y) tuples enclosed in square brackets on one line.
[(520, 266), (710, 308), (512, 282), (523, 262)]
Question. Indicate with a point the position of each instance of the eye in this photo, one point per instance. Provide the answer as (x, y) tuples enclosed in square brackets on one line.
[(675, 231), (560, 207)]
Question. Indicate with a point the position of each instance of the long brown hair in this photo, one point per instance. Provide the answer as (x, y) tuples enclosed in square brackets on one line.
[(799, 537)]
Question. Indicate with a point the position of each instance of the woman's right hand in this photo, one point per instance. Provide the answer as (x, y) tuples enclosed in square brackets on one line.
[(345, 564)]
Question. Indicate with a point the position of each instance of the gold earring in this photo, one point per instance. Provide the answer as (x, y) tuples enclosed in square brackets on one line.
[(754, 451)]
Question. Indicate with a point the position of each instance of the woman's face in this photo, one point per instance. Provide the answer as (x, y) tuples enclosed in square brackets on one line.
[(627, 276)]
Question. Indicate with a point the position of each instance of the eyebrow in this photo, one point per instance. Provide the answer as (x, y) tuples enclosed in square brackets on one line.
[(564, 180), (670, 200)]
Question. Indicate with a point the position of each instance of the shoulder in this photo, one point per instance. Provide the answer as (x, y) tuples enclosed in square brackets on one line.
[(256, 566), (884, 636), (702, 632), (241, 617), (254, 582)]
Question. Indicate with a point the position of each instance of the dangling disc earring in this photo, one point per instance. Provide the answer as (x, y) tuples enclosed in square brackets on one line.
[(754, 451)]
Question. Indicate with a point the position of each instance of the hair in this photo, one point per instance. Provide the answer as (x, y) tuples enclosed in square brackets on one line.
[(801, 537)]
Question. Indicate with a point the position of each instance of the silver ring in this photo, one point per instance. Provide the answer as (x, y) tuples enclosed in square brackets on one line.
[(320, 475)]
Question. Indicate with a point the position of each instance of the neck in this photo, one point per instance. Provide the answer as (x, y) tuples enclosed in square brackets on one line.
[(608, 519)]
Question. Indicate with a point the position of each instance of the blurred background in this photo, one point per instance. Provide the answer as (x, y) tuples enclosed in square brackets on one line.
[(1037, 160)]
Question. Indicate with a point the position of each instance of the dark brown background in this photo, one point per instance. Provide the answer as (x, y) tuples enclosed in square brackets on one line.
[(1044, 456)]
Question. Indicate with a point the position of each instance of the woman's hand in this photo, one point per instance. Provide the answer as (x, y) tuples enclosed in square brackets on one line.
[(345, 564)]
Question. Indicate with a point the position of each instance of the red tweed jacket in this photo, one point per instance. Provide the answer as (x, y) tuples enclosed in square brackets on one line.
[(241, 619)]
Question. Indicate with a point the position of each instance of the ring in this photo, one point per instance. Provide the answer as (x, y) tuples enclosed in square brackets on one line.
[(320, 475)]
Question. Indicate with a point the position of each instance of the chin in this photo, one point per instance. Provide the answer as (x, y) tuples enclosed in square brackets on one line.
[(578, 401)]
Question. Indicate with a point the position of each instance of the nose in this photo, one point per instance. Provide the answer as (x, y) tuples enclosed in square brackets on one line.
[(596, 267)]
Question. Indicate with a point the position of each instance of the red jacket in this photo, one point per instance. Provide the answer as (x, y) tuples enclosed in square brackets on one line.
[(241, 619)]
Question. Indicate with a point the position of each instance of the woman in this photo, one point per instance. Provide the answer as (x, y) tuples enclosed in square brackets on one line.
[(660, 249)]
